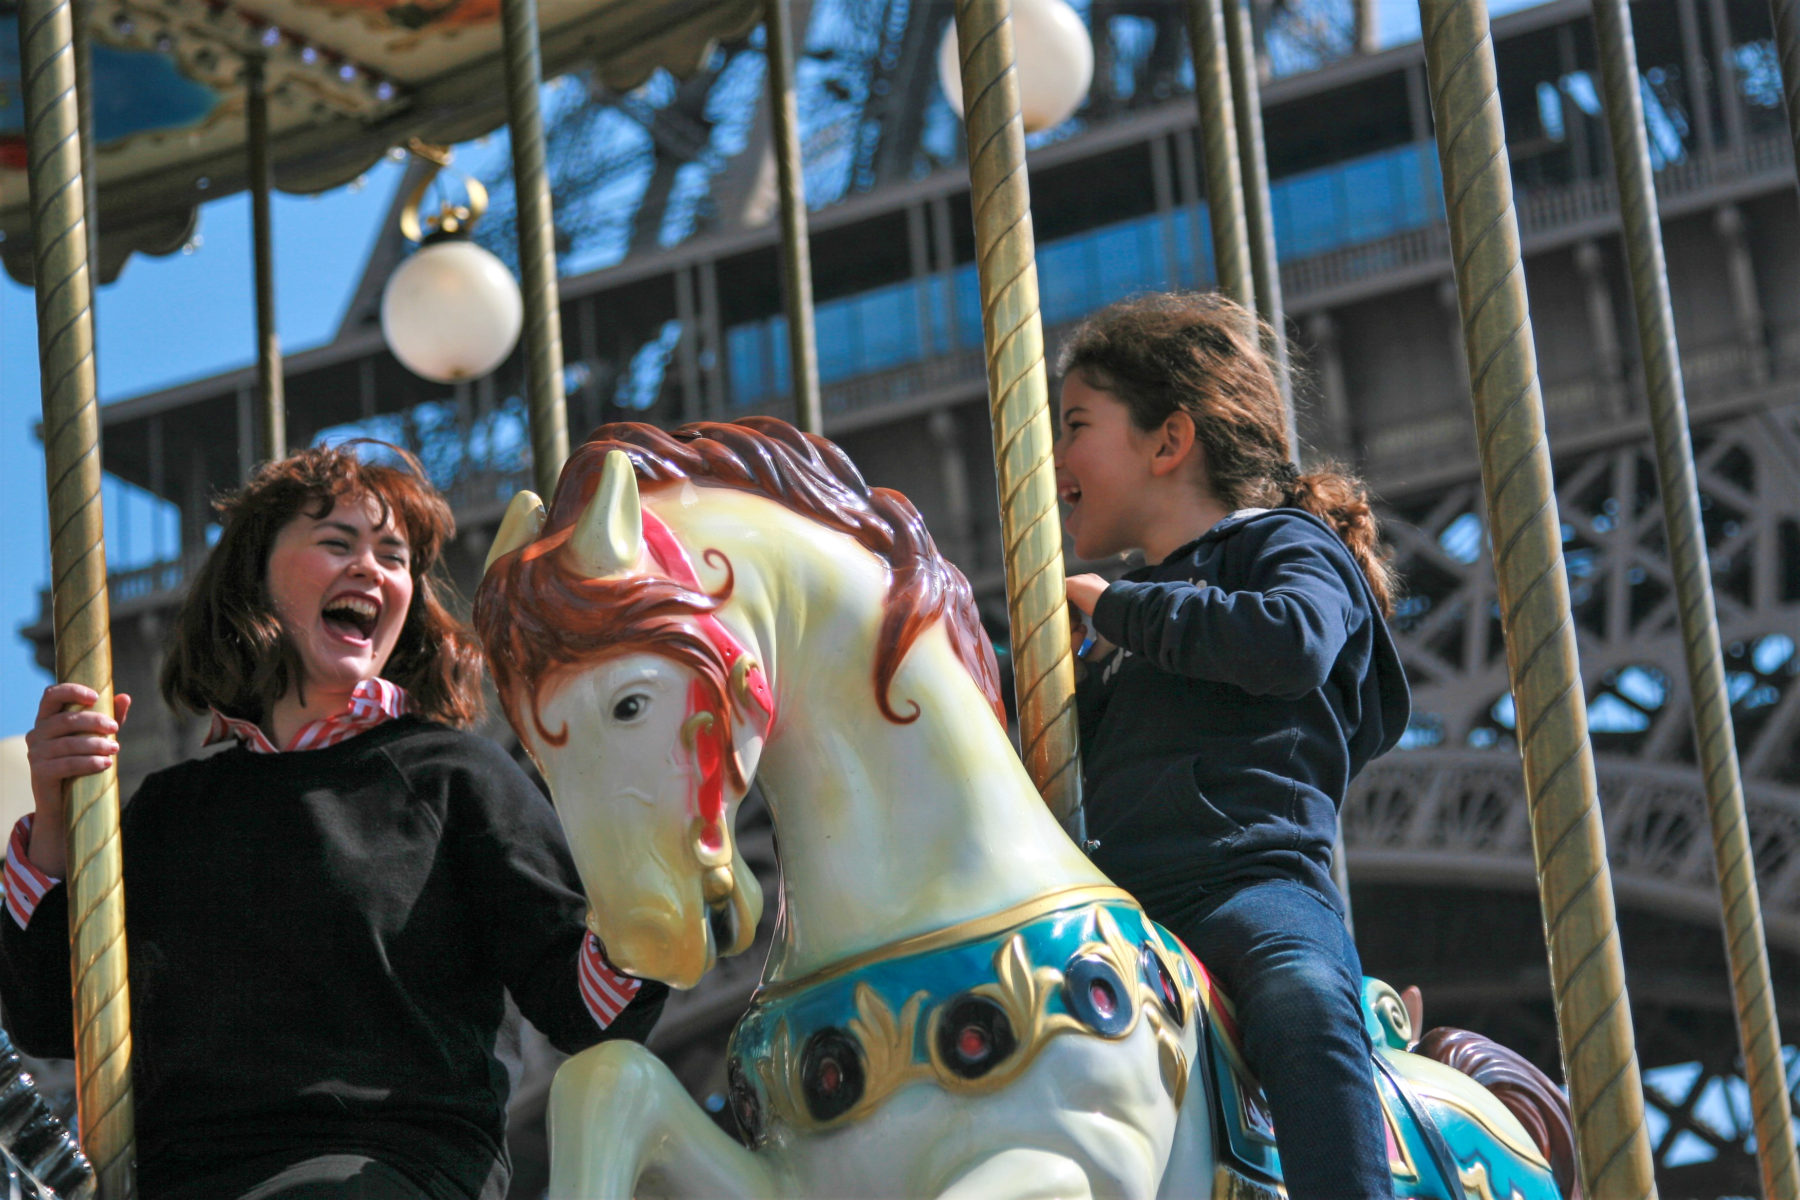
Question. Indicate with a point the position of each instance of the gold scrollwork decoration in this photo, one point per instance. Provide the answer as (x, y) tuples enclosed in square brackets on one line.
[(887, 1045), (887, 1042), (1173, 1062), (780, 1074), (1478, 1185)]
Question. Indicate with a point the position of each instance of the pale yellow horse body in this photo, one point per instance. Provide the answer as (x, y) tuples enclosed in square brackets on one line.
[(957, 1003), (887, 831)]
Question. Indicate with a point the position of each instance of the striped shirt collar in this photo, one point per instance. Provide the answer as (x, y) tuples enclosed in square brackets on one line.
[(372, 702)]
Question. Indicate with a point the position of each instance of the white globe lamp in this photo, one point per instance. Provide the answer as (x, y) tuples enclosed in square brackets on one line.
[(1055, 57), (451, 311)]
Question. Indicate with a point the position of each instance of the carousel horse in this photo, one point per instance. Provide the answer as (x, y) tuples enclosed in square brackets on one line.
[(957, 1003)]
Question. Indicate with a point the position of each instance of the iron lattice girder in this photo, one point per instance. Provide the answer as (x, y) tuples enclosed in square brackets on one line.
[(1458, 818), (1623, 598), (1454, 811)]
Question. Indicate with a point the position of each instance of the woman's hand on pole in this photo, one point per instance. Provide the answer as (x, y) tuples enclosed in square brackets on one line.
[(66, 744)]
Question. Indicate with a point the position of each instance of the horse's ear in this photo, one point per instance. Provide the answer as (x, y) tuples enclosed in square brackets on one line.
[(609, 537), (524, 518)]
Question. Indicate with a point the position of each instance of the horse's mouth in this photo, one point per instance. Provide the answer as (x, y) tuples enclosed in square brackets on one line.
[(653, 941)]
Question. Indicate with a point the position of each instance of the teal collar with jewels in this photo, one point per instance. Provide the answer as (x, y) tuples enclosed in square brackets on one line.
[(968, 1007)]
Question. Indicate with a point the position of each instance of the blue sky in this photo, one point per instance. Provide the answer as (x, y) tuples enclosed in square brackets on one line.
[(190, 315), (166, 320)]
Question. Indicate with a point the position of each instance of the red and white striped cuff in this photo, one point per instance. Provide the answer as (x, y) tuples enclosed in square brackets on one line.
[(25, 884), (604, 988)]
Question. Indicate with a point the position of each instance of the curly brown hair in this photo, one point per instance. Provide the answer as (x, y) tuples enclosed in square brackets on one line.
[(1201, 353), (230, 651)]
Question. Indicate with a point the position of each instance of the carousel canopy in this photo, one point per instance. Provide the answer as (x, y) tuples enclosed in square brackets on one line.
[(347, 80)]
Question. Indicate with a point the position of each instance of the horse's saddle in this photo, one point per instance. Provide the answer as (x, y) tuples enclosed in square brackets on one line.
[(1447, 1136)]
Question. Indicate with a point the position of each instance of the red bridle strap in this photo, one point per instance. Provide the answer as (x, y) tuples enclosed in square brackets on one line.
[(709, 743)]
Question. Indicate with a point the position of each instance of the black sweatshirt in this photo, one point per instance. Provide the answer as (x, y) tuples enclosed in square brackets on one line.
[(318, 944), (1254, 678)]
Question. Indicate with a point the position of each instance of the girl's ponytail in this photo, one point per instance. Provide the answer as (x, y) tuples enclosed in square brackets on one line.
[(1342, 502)]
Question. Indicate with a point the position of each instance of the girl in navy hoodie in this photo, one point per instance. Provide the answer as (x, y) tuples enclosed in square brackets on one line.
[(1233, 687)]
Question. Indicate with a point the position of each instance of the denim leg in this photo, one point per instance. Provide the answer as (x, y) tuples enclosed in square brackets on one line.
[(1284, 958)]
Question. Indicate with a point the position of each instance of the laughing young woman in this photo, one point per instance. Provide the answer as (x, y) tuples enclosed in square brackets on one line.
[(323, 917)]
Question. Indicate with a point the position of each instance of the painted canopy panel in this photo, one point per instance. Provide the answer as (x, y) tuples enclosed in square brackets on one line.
[(347, 80)]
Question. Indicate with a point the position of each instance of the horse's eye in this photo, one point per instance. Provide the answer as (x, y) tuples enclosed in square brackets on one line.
[(631, 707)]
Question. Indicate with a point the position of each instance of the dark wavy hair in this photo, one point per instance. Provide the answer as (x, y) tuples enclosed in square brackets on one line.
[(1201, 353), (230, 651)]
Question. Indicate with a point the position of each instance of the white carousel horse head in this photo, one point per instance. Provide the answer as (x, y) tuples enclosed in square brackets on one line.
[(696, 605)]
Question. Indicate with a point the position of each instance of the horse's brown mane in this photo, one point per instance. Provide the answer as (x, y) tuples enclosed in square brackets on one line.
[(534, 615)]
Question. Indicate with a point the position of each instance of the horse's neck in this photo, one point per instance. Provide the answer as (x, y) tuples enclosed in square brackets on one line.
[(891, 830)]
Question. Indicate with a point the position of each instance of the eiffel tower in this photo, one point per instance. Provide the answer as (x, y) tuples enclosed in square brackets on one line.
[(672, 305)]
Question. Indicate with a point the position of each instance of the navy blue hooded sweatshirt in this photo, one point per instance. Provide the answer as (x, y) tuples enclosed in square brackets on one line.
[(1254, 677)]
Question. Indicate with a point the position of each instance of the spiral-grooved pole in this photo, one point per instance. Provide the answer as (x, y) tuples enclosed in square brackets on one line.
[(102, 1001), (1745, 945), (1019, 401), (537, 243), (796, 250), (1219, 146), (270, 386), (1259, 207), (82, 28), (1785, 15), (1586, 967)]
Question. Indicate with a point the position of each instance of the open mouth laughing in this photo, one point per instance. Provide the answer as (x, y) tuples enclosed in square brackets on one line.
[(352, 616)]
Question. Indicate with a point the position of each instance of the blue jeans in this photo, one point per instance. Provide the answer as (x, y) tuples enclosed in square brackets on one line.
[(1281, 953)]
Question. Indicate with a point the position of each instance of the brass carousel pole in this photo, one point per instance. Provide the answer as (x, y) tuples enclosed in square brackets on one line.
[(82, 15), (1746, 947), (1219, 143), (78, 568), (1259, 213), (537, 243), (796, 253), (1575, 886), (270, 388), (1019, 402)]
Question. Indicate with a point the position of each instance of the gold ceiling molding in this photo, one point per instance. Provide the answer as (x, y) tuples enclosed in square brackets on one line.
[(348, 81)]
